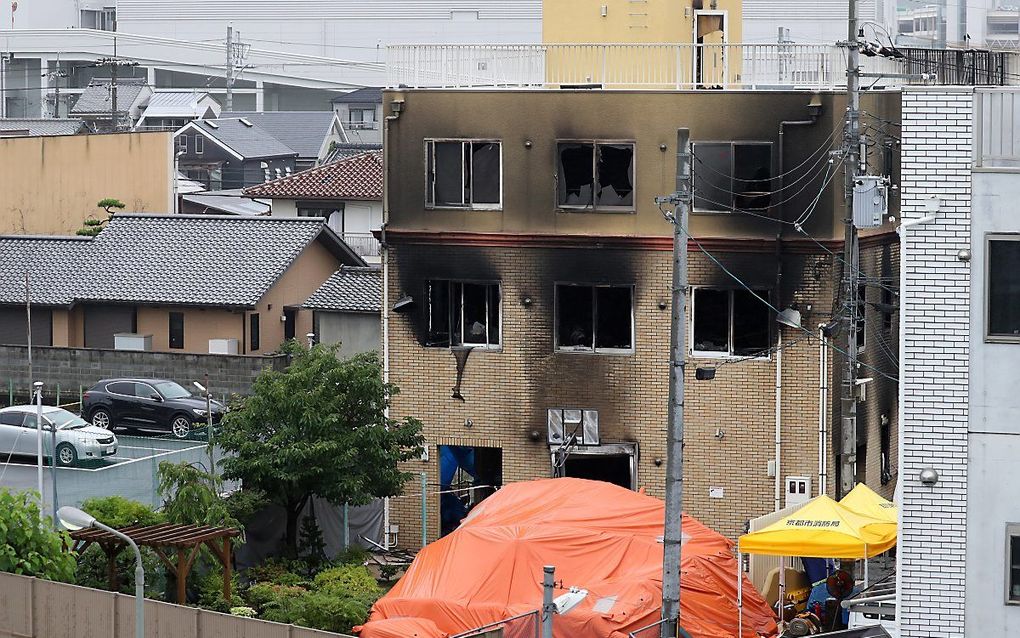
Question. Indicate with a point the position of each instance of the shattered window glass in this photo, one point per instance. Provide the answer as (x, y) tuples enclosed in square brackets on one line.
[(594, 318), (463, 314), (711, 320), (731, 322), (732, 175), (463, 174), (750, 323), (595, 175), (613, 312), (576, 176), (616, 175)]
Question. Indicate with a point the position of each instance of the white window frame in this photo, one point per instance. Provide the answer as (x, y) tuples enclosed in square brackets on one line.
[(430, 160), (711, 354), (1012, 529), (199, 145), (596, 207), (182, 143), (493, 347), (989, 337), (732, 191), (595, 319)]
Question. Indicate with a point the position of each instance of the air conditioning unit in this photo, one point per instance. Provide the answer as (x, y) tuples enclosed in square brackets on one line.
[(223, 346), (582, 425), (131, 341), (798, 490)]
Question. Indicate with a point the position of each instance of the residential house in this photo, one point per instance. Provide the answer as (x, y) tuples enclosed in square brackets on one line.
[(51, 184), (361, 113), (170, 110), (27, 127), (528, 277), (959, 549), (231, 152), (174, 283), (311, 134), (346, 310), (96, 106), (347, 193), (228, 202)]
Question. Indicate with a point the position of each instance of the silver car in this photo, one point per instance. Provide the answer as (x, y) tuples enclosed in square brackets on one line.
[(77, 439)]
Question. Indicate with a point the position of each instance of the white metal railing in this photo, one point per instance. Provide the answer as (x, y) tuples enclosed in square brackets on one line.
[(663, 66), (364, 244), (997, 128)]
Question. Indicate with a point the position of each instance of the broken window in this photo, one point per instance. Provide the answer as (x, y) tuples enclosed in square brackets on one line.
[(595, 175), (593, 318), (730, 322), (732, 175), (463, 174), (463, 314)]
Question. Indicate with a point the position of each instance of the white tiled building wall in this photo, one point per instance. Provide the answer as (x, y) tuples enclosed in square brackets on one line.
[(934, 367)]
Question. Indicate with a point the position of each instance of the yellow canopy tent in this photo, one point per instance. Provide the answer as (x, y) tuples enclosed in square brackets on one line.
[(863, 500), (825, 529)]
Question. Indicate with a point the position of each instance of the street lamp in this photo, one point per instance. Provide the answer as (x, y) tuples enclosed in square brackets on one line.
[(208, 421), (74, 519), (38, 385)]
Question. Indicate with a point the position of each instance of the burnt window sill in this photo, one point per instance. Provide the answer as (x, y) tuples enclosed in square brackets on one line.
[(610, 352), (479, 348), (710, 354), (617, 210), (486, 209)]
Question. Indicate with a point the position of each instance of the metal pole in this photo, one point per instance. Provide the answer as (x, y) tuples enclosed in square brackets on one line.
[(823, 406), (115, 123), (672, 533), (53, 472), (39, 439), (852, 161), (139, 580), (209, 428), (424, 512), (28, 323), (548, 608), (230, 67)]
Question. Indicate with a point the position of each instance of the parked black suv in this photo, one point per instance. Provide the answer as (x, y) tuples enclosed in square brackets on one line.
[(147, 404)]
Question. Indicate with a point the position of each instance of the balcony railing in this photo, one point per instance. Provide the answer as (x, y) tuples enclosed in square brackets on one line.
[(363, 244), (646, 66)]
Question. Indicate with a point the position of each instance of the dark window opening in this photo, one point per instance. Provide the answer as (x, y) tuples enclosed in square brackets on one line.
[(176, 330), (289, 323), (595, 175), (887, 310), (463, 174), (467, 476), (885, 440), (1013, 563), (730, 322), (253, 331), (611, 468), (463, 314), (594, 318), (861, 467), (1004, 288), (732, 175)]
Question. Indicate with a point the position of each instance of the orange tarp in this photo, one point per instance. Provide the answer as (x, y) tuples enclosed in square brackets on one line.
[(600, 537)]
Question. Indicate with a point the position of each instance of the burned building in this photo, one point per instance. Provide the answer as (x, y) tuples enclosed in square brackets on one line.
[(528, 284)]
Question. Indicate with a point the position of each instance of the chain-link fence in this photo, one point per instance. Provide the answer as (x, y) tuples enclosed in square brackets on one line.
[(527, 625)]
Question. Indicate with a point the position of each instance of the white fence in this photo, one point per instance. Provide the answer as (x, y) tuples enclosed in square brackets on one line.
[(997, 128)]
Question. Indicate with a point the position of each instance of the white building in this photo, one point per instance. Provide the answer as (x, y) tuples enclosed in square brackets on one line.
[(809, 21), (297, 54), (959, 550)]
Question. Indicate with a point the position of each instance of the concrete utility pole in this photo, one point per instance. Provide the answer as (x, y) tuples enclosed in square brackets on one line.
[(113, 63), (853, 159), (230, 67), (672, 535), (56, 76)]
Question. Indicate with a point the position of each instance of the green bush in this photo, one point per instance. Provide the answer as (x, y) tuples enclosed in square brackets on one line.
[(353, 555), (277, 571), (327, 612), (28, 543), (353, 581), (117, 511), (264, 596), (243, 612), (92, 571), (209, 587)]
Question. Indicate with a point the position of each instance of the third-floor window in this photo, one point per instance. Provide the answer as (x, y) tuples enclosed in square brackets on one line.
[(463, 174), (732, 175), (595, 175)]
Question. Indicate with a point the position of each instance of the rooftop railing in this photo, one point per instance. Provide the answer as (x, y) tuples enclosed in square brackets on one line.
[(677, 66)]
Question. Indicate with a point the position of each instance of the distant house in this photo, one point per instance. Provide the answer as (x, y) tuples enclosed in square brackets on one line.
[(347, 193), (171, 283), (35, 127), (95, 104), (229, 202), (311, 134), (361, 113), (231, 152), (170, 110), (345, 309)]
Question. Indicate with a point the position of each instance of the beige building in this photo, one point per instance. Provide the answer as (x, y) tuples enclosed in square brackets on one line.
[(49, 185), (528, 292)]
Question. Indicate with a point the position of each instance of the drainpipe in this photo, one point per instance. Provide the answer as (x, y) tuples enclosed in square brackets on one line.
[(779, 417), (385, 257), (823, 400)]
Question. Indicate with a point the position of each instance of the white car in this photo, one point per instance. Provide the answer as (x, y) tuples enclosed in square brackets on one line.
[(77, 439)]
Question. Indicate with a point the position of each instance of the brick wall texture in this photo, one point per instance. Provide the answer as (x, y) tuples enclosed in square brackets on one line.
[(936, 162), (508, 392)]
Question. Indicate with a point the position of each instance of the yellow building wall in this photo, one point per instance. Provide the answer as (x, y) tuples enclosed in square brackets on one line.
[(49, 185), (630, 22)]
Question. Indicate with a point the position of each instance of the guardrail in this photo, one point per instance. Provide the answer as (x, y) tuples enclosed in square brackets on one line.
[(523, 626)]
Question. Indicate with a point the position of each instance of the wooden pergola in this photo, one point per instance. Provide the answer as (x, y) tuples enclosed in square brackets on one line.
[(186, 540)]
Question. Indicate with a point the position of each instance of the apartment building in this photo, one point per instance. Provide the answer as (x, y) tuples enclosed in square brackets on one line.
[(527, 293)]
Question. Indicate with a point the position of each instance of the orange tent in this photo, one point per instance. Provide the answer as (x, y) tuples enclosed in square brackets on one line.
[(600, 537)]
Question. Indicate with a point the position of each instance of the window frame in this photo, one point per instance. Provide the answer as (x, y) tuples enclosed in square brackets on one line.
[(988, 336), (254, 332), (199, 145), (729, 354), (558, 349), (489, 347), (1012, 530), (595, 207), (182, 143), (430, 182), (170, 331), (732, 191)]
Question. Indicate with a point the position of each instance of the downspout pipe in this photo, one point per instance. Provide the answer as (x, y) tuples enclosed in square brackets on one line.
[(385, 257)]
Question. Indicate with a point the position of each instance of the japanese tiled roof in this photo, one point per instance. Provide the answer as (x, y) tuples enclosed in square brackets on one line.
[(359, 177)]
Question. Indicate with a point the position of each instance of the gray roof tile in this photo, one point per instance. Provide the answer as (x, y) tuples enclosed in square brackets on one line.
[(367, 95), (350, 289), (38, 126), (250, 142), (96, 98), (53, 264), (302, 131)]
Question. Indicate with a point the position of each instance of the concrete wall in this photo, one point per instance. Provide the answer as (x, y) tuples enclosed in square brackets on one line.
[(357, 332), (75, 367), (994, 444), (49, 185)]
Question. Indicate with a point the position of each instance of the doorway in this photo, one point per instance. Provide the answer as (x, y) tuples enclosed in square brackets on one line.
[(710, 55), (467, 476), (614, 463)]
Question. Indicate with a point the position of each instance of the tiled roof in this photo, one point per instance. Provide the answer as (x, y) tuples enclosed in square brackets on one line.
[(176, 104), (96, 97), (348, 149), (53, 264), (37, 126), (302, 131), (250, 142), (357, 177), (367, 95), (350, 289)]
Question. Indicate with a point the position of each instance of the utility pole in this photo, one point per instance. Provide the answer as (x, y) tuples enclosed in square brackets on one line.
[(56, 76), (113, 63), (230, 67), (672, 534), (853, 158)]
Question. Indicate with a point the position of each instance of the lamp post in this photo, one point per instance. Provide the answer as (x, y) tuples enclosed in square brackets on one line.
[(37, 386), (204, 389), (74, 519)]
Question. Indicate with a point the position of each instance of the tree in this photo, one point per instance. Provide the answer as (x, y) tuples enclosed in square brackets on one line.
[(319, 428), (92, 226), (28, 543)]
